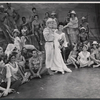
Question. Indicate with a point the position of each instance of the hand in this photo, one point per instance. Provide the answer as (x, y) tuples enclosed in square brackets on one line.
[(38, 75), (5, 93), (97, 61), (33, 76), (10, 90), (60, 46)]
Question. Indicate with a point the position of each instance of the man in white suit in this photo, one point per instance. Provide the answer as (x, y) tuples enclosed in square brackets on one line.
[(49, 46)]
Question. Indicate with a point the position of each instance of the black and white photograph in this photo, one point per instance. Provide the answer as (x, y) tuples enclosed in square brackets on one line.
[(49, 50)]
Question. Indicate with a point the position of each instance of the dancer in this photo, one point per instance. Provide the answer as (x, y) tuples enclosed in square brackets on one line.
[(72, 27), (58, 62), (72, 58), (23, 40), (84, 57), (45, 19), (36, 65)]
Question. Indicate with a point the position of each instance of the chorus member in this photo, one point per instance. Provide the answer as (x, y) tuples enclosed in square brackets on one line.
[(24, 40), (3, 82), (45, 19), (34, 12), (72, 27), (36, 64), (84, 57), (83, 36), (95, 56), (37, 30), (72, 58), (25, 24), (10, 12), (85, 24), (13, 80)]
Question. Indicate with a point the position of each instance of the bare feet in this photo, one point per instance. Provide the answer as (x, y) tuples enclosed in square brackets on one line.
[(50, 72), (94, 66)]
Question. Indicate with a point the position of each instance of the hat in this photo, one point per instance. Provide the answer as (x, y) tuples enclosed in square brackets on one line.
[(83, 18), (1, 6), (53, 13), (95, 42), (82, 28), (16, 30), (49, 20), (73, 12)]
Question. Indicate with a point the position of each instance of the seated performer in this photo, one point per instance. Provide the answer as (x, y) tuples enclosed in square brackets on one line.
[(84, 57), (12, 81), (72, 59), (36, 65), (95, 56)]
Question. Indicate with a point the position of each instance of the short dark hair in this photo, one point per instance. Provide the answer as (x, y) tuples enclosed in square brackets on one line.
[(33, 8), (23, 17), (37, 16), (61, 23), (47, 13), (11, 55)]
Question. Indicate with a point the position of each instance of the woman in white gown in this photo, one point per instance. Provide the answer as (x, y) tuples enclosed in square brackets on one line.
[(58, 63)]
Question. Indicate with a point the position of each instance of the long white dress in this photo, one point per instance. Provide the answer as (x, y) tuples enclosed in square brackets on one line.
[(58, 63)]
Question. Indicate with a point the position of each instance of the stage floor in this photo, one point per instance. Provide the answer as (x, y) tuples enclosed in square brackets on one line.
[(81, 83)]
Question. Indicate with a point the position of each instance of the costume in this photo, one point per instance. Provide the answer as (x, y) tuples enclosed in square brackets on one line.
[(49, 47)]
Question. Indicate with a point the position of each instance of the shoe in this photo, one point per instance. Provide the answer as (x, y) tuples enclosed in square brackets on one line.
[(68, 70)]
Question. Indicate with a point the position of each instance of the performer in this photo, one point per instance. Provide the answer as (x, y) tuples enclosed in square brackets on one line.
[(49, 38), (10, 20), (37, 30), (59, 42), (3, 26), (72, 27), (85, 24)]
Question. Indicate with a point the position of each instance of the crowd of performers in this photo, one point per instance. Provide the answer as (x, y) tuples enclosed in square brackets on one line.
[(42, 48)]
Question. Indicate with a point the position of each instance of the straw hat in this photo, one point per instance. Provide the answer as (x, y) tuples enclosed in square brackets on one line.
[(53, 13), (95, 42), (16, 30), (83, 18), (82, 28), (73, 12)]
